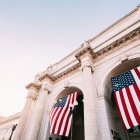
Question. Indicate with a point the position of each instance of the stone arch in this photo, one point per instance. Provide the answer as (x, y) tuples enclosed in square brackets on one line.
[(66, 87), (114, 122), (78, 115), (101, 84)]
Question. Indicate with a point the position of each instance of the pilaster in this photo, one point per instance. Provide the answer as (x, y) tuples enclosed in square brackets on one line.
[(32, 131), (90, 118), (31, 96)]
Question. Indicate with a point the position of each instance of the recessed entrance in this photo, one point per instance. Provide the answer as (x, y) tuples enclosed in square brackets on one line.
[(77, 128), (116, 127)]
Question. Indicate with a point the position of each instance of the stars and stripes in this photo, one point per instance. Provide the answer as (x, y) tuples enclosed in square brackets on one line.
[(126, 89), (60, 115)]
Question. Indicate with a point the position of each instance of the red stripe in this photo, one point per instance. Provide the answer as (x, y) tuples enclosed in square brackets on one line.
[(53, 115), (66, 125), (137, 72), (133, 106), (63, 116), (116, 100), (54, 125), (137, 90), (125, 109)]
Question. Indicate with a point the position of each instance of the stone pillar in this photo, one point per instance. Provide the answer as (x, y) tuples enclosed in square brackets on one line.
[(43, 133), (33, 130), (89, 91), (31, 96)]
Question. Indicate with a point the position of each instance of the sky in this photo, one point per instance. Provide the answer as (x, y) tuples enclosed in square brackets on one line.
[(37, 33)]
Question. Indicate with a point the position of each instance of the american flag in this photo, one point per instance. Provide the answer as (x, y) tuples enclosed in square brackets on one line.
[(126, 89), (60, 115)]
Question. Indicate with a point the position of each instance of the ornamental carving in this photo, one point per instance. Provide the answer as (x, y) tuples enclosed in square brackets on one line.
[(122, 42), (64, 73), (33, 85), (87, 50)]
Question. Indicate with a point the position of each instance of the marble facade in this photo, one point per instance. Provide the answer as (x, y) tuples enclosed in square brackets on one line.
[(87, 70)]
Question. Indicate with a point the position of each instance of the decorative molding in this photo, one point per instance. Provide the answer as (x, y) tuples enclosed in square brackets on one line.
[(32, 94), (64, 73), (46, 88), (33, 90), (120, 43), (33, 85), (88, 64), (86, 50)]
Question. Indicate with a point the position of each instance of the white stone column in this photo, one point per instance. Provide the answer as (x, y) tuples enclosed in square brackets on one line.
[(43, 133), (89, 91), (37, 114), (31, 96)]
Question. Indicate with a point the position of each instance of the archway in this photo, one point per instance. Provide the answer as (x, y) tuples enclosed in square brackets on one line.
[(115, 124), (77, 128)]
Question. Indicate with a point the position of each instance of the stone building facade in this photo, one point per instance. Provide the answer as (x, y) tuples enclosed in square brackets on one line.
[(87, 70)]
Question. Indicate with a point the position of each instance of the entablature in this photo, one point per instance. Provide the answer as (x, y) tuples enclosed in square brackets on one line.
[(121, 33)]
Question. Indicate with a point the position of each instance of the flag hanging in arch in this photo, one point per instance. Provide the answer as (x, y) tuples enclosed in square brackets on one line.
[(126, 90), (61, 116)]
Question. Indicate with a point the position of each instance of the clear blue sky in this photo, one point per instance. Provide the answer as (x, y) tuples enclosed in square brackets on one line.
[(37, 33)]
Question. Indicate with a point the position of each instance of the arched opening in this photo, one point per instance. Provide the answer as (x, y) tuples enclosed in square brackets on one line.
[(77, 127), (115, 124)]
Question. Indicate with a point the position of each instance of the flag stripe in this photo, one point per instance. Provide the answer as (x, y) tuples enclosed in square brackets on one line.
[(69, 125), (60, 115), (133, 105), (129, 108), (136, 77), (54, 119), (134, 98), (125, 108), (53, 114), (121, 109), (55, 124), (68, 121), (60, 118), (126, 89), (137, 72), (137, 90), (64, 116)]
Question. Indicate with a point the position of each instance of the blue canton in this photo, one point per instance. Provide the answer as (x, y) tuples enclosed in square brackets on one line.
[(122, 80), (61, 102)]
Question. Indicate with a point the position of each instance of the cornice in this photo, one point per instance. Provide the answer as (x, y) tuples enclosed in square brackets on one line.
[(120, 43), (114, 24), (33, 85), (128, 38), (87, 50), (62, 74)]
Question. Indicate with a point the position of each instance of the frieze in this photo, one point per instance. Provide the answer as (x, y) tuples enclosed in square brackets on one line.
[(122, 42), (87, 50), (55, 78)]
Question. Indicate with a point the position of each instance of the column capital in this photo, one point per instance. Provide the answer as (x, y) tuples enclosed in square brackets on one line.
[(33, 85), (33, 90), (32, 95), (45, 87), (85, 51), (87, 63)]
